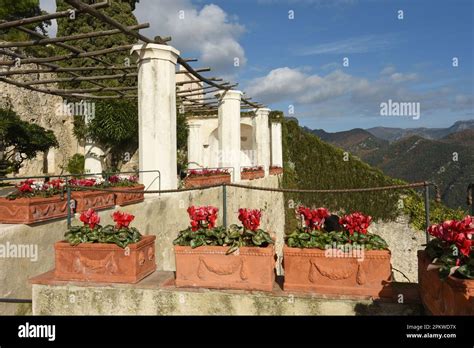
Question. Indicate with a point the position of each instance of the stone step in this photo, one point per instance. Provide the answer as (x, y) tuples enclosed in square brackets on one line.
[(157, 295)]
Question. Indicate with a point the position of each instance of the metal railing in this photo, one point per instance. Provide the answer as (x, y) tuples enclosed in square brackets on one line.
[(425, 185)]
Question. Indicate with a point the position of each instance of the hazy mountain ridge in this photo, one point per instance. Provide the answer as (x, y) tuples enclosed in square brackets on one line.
[(394, 134), (442, 155)]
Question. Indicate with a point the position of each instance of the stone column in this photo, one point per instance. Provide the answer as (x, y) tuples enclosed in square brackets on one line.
[(262, 138), (93, 154), (157, 114), (195, 148), (229, 132), (277, 151)]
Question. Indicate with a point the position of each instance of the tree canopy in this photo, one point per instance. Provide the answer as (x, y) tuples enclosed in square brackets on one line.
[(20, 140)]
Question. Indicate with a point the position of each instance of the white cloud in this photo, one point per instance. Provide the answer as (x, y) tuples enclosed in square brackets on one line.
[(400, 77), (349, 94), (360, 44), (208, 31)]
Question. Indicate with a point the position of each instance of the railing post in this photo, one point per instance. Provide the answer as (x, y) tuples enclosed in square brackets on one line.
[(470, 201), (68, 197), (224, 205), (427, 211)]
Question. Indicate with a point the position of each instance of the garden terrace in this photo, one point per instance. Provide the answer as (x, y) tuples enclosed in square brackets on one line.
[(165, 214), (153, 65)]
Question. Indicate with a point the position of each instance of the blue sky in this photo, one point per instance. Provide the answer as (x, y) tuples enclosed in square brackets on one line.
[(298, 62)]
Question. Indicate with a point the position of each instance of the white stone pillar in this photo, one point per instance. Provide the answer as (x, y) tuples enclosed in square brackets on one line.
[(262, 138), (93, 158), (277, 151), (157, 114), (229, 132), (195, 148)]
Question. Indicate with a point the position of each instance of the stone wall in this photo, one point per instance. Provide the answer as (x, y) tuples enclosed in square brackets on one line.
[(42, 109), (162, 216)]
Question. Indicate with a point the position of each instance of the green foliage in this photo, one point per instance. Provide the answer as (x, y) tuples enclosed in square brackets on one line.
[(115, 123), (234, 237), (114, 128), (17, 9), (304, 238), (313, 164), (120, 10), (445, 256), (107, 234), (414, 207), (75, 165), (20, 140)]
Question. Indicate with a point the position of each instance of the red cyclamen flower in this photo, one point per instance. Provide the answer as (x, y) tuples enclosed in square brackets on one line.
[(455, 232), (90, 218), (202, 217), (250, 218), (355, 222), (313, 218), (122, 219)]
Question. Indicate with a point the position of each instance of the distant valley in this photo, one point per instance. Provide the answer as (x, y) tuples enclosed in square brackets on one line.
[(442, 155)]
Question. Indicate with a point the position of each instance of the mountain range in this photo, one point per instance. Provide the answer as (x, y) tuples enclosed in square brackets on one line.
[(442, 155)]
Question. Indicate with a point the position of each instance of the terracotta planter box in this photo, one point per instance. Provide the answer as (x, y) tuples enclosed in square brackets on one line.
[(276, 171), (257, 174), (453, 296), (202, 180), (93, 199), (309, 270), (100, 262), (31, 210), (251, 268), (129, 198)]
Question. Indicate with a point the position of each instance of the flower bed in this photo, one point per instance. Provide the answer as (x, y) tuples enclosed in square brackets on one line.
[(34, 201), (240, 257), (446, 269), (116, 254), (276, 170), (90, 199), (344, 261), (127, 183), (206, 177), (251, 173)]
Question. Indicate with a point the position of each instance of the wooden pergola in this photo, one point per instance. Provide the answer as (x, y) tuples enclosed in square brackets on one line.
[(202, 100)]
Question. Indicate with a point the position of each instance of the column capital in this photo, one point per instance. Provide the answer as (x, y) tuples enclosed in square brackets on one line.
[(262, 111), (155, 51), (231, 94)]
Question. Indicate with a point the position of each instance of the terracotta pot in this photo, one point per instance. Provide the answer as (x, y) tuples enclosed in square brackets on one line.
[(314, 271), (129, 198), (31, 210), (206, 180), (453, 296), (100, 262), (256, 174), (93, 199), (250, 268), (276, 170)]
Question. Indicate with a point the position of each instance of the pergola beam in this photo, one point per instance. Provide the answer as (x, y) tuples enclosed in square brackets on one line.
[(56, 40), (68, 56), (46, 17), (82, 78)]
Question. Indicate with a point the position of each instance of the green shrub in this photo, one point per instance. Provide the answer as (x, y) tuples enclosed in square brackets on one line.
[(75, 165)]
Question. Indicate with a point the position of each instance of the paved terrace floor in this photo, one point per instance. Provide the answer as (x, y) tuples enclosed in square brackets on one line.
[(157, 295)]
